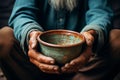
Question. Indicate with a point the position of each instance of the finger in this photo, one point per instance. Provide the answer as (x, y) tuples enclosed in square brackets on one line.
[(45, 67), (50, 68), (41, 58), (89, 38), (33, 41), (83, 58), (80, 60), (33, 38), (69, 66), (69, 69), (66, 66)]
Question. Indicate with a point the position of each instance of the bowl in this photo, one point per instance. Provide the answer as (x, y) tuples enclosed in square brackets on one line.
[(62, 45)]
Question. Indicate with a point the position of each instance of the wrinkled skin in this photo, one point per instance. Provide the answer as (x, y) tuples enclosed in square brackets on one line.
[(80, 61), (47, 64)]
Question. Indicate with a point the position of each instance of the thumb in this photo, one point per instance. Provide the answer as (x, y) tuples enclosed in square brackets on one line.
[(89, 38), (33, 42), (33, 39)]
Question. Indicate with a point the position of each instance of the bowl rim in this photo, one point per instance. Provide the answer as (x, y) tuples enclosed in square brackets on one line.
[(57, 45)]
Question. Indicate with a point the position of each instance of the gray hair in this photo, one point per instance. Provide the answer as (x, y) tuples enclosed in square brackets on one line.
[(59, 4)]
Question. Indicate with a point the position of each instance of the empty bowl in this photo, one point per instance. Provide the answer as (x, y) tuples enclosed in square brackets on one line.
[(61, 45)]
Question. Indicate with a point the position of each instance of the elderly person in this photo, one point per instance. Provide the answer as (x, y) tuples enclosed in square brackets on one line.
[(32, 17)]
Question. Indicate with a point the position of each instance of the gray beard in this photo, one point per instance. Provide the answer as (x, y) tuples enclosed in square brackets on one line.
[(60, 4)]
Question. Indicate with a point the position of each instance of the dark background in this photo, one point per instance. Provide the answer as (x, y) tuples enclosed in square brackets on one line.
[(5, 11)]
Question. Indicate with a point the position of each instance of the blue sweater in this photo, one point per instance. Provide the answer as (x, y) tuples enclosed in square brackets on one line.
[(28, 15)]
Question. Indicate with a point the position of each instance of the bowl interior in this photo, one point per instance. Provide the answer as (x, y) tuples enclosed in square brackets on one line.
[(61, 37)]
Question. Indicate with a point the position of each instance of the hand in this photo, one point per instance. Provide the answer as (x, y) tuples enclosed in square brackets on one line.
[(44, 63), (80, 61)]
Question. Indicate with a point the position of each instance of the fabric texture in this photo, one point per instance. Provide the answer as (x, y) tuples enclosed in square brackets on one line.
[(38, 14)]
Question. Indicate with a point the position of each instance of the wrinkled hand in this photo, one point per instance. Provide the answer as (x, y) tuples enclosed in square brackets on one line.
[(80, 61), (44, 63)]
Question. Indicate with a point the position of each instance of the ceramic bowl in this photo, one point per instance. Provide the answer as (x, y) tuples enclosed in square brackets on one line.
[(62, 45)]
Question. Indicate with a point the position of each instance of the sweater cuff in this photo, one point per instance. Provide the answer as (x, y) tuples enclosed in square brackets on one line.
[(100, 38), (25, 35)]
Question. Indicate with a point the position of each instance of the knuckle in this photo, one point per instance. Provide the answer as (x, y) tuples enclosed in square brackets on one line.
[(46, 61), (29, 53), (40, 66), (39, 58), (50, 68)]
